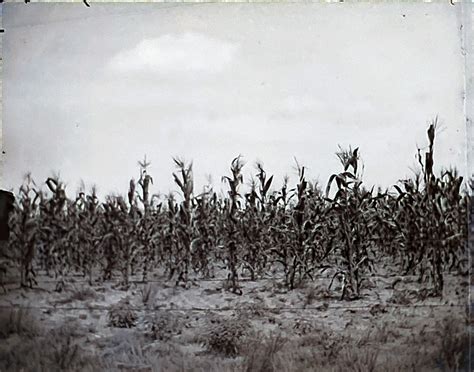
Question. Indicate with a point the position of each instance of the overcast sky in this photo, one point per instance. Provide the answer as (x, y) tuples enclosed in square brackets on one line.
[(88, 91)]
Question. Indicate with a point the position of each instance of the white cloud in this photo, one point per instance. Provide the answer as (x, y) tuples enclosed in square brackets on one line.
[(185, 53), (302, 103)]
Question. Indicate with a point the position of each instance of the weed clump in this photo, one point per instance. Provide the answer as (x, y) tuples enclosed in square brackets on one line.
[(165, 325), (121, 316), (226, 337)]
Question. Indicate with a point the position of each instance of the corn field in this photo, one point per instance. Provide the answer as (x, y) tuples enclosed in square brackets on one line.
[(419, 227)]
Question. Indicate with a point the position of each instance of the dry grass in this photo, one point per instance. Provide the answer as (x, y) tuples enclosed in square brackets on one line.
[(29, 348), (19, 322), (453, 345), (261, 353), (81, 293), (231, 346), (147, 294), (358, 360)]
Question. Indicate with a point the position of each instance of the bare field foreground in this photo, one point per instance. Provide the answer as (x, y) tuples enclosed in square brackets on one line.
[(160, 327), (295, 279)]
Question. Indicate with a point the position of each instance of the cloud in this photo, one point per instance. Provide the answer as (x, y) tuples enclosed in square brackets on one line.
[(302, 103), (168, 54)]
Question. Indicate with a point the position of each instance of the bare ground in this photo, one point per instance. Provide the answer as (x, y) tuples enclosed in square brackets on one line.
[(157, 326)]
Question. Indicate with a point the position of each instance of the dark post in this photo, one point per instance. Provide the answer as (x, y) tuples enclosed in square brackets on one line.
[(6, 206)]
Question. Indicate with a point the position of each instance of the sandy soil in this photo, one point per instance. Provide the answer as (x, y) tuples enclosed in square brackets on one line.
[(392, 317)]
